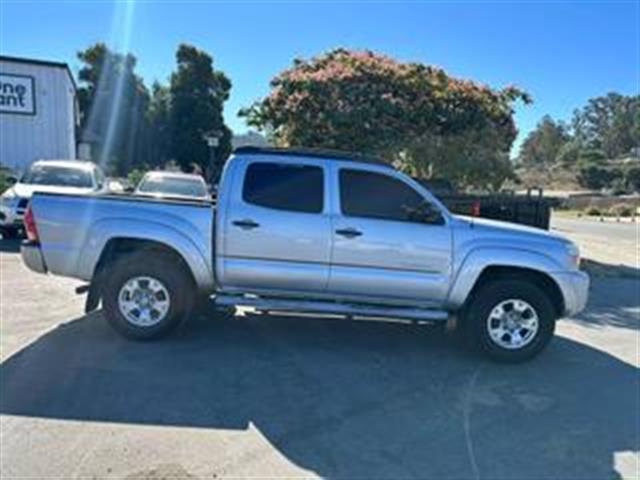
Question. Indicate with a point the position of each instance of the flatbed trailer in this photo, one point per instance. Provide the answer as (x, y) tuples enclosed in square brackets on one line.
[(531, 208)]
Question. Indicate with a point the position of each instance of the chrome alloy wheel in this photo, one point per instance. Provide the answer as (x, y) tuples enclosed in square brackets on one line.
[(144, 301), (513, 324)]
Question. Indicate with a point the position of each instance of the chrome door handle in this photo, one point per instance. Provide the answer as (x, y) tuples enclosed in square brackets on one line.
[(246, 224), (349, 232)]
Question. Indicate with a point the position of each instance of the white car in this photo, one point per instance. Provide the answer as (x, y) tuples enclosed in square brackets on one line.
[(50, 176), (173, 185)]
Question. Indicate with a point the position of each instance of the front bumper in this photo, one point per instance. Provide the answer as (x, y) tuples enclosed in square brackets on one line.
[(32, 256), (11, 216), (575, 290)]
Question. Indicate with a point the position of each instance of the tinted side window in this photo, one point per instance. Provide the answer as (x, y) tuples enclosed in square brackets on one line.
[(369, 194), (298, 188)]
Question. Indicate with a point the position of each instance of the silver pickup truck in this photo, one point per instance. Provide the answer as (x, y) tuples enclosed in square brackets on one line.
[(303, 231)]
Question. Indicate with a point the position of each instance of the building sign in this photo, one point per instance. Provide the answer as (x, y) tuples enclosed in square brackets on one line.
[(17, 94)]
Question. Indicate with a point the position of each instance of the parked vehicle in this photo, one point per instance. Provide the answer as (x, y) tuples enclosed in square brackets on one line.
[(173, 185), (53, 176), (303, 231)]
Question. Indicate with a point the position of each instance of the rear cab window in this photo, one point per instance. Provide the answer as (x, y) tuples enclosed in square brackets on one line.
[(284, 186)]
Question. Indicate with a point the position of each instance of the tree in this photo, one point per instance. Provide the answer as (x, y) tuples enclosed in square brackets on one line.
[(468, 159), (198, 93), (596, 177), (372, 104), (568, 154), (543, 144), (610, 123), (113, 103), (159, 116), (591, 157), (632, 179)]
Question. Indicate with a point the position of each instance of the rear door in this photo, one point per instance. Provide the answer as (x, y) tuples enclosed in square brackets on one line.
[(277, 227), (381, 250)]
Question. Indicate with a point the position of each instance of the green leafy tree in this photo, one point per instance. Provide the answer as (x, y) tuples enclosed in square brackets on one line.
[(610, 123), (198, 93), (159, 118), (569, 153), (632, 179), (592, 177), (113, 103), (5, 182), (543, 144), (403, 112), (596, 177), (591, 157), (467, 159)]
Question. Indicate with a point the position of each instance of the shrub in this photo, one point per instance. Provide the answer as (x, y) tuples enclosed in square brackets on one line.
[(622, 210), (632, 178), (592, 177), (4, 181), (591, 157), (593, 211), (135, 176), (597, 178)]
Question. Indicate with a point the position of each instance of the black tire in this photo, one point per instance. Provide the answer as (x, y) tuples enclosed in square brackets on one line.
[(171, 274), (476, 314)]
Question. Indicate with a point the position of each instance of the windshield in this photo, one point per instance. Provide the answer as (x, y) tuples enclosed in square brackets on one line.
[(58, 176), (173, 186)]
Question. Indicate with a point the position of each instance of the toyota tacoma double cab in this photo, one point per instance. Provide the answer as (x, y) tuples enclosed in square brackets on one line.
[(314, 232)]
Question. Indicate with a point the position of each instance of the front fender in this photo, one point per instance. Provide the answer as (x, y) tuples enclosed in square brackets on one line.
[(104, 231), (480, 258)]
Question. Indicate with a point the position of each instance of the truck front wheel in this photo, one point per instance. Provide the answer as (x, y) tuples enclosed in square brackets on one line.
[(146, 295), (510, 320)]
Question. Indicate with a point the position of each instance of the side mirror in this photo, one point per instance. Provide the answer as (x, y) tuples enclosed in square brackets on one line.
[(426, 213)]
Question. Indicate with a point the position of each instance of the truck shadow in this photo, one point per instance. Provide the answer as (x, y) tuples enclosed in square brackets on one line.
[(341, 398)]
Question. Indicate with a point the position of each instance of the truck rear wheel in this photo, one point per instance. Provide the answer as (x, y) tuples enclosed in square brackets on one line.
[(146, 295), (509, 320)]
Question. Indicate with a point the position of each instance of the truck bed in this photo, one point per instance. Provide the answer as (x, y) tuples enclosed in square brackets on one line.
[(73, 229)]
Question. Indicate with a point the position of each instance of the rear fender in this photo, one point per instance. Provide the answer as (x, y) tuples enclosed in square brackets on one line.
[(102, 232)]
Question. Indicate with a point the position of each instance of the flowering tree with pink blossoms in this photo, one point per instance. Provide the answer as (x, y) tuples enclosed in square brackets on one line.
[(413, 114)]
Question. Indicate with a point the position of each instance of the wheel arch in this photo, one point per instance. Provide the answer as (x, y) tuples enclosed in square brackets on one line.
[(484, 265), (118, 246), (536, 277)]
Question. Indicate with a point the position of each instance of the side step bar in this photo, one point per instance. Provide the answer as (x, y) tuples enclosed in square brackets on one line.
[(309, 306)]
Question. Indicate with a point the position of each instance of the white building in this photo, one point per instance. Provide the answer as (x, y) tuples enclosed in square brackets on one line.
[(38, 111)]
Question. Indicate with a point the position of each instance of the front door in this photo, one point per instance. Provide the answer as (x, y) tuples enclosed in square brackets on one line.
[(278, 228), (382, 250)]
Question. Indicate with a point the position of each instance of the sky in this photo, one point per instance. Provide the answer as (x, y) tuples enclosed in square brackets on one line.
[(561, 52)]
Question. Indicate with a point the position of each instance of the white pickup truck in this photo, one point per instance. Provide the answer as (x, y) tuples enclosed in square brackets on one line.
[(303, 231)]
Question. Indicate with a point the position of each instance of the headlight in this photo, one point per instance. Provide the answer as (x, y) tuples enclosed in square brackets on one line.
[(574, 254), (8, 198)]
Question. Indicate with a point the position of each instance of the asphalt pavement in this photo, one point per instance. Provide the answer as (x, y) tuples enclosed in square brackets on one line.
[(625, 231), (290, 396), (608, 242)]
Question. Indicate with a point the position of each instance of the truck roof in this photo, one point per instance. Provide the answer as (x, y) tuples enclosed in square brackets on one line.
[(327, 154)]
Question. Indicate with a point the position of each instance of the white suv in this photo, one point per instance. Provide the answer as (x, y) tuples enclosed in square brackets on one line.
[(54, 176)]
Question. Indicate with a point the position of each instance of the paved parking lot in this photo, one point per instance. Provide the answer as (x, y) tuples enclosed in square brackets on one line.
[(276, 396)]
